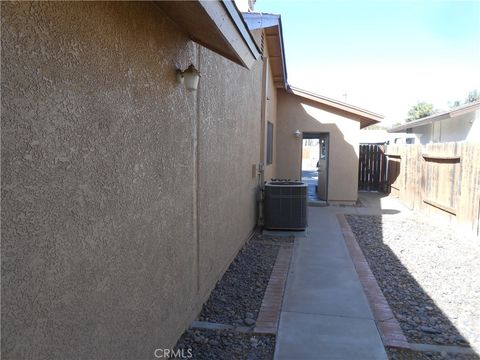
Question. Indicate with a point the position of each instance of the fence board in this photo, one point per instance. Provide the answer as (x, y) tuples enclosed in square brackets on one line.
[(440, 179)]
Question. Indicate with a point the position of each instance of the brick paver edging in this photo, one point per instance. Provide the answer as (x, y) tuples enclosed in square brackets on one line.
[(388, 326), (269, 315)]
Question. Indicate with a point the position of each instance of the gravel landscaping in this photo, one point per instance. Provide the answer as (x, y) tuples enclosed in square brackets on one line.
[(236, 301), (402, 354), (237, 297), (429, 275), (222, 344)]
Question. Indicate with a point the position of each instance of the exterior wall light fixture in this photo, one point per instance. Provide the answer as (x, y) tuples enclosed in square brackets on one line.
[(189, 77), (298, 134)]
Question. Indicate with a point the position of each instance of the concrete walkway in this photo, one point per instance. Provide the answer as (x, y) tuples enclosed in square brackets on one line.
[(325, 313)]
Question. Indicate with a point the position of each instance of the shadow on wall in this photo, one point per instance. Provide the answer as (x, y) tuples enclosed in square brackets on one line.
[(419, 316), (294, 113), (393, 172)]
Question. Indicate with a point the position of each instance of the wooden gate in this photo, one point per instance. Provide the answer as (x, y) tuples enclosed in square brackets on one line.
[(372, 168)]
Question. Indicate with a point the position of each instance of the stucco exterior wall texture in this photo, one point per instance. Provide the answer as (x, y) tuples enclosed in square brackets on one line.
[(229, 145), (271, 116), (119, 210), (269, 103), (295, 112)]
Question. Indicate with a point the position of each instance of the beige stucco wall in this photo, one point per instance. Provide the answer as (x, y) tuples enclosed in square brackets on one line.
[(269, 106), (271, 116), (294, 113), (124, 196), (229, 146)]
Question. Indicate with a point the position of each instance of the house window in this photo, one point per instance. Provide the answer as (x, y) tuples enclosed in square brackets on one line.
[(269, 143)]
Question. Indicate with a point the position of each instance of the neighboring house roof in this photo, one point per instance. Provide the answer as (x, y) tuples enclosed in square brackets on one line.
[(365, 117), (217, 25), (272, 24), (450, 114)]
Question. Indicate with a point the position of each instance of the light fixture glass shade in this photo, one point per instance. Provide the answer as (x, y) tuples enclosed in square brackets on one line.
[(191, 77), (297, 134)]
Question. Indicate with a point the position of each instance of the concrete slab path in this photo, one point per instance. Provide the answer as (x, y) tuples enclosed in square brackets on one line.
[(325, 313)]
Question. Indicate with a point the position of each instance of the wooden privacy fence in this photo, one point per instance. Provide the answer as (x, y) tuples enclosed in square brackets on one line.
[(440, 179), (372, 167)]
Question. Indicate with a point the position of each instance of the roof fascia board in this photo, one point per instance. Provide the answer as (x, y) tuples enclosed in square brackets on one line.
[(242, 27), (259, 20), (465, 109), (420, 122), (219, 12), (282, 47), (213, 24), (263, 21), (367, 116)]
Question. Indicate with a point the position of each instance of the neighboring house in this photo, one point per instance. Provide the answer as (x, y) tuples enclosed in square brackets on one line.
[(124, 195), (384, 137), (402, 138), (458, 124), (373, 136)]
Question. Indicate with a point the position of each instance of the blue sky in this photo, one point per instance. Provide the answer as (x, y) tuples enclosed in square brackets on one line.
[(384, 55)]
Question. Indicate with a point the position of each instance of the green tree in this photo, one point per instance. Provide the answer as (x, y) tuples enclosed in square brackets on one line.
[(376, 127), (396, 124), (420, 110)]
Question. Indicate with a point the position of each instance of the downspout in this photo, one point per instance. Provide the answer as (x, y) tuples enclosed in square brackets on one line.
[(196, 175), (261, 165)]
